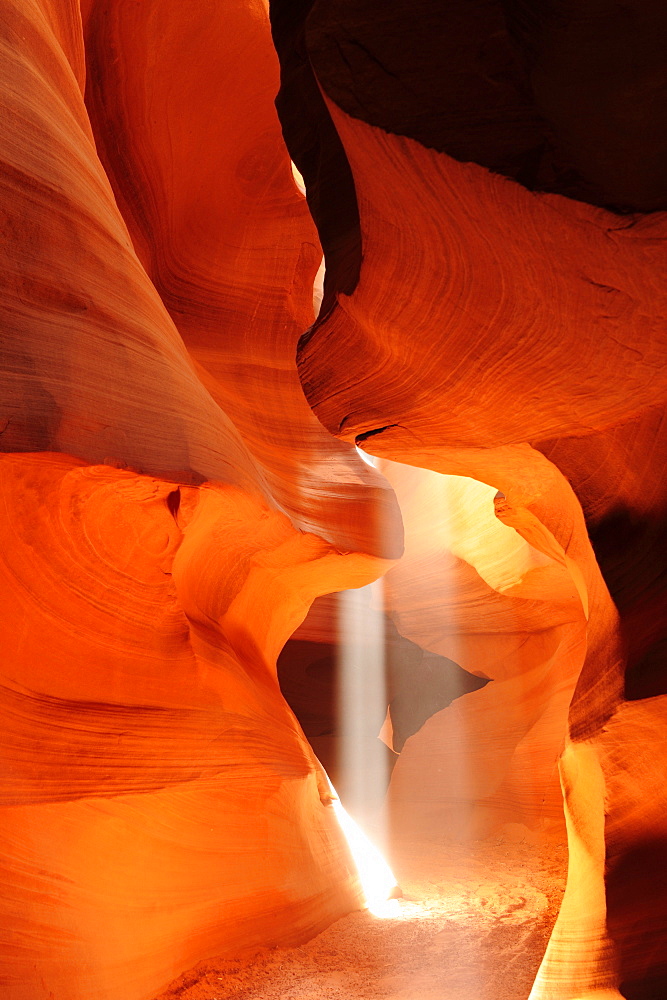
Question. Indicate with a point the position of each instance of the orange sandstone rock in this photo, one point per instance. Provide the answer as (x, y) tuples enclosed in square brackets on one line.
[(490, 324), (202, 175), (160, 803)]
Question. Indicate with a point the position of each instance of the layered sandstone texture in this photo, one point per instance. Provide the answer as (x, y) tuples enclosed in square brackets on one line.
[(168, 515), (496, 309), (487, 183)]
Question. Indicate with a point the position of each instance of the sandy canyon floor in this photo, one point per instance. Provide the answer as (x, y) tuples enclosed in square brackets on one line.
[(473, 925)]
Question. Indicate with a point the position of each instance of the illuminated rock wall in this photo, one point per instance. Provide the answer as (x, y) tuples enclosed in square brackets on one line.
[(159, 801), (487, 183), (502, 317)]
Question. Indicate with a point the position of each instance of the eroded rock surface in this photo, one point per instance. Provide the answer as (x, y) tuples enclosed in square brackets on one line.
[(495, 322), (159, 800), (487, 184)]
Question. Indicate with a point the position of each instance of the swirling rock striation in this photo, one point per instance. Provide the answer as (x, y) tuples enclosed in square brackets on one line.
[(503, 330), (494, 308), (160, 803)]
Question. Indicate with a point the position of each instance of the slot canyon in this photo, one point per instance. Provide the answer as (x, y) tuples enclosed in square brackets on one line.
[(333, 374)]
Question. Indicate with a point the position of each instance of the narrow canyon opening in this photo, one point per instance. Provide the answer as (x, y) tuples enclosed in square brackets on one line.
[(451, 774)]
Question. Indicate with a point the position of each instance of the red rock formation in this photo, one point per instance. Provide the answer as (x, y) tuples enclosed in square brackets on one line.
[(226, 237), (472, 589), (488, 323), (159, 800), (571, 388), (493, 308)]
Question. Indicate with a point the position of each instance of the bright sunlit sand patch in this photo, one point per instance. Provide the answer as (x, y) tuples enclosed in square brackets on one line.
[(447, 943)]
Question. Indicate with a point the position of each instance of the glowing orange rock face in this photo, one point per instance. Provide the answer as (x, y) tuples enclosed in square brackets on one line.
[(159, 801), (518, 338), (595, 945), (552, 305), (161, 804), (470, 588), (492, 402), (153, 772), (203, 179)]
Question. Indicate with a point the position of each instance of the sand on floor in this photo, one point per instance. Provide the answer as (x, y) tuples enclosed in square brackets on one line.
[(473, 924)]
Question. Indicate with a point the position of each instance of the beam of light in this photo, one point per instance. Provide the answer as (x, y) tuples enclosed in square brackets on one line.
[(298, 178), (368, 459), (376, 877), (362, 705), (363, 766)]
